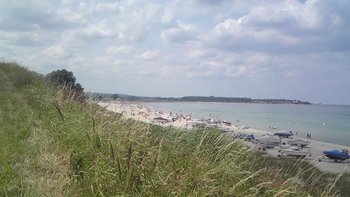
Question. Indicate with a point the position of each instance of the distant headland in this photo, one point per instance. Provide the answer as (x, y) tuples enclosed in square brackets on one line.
[(106, 96)]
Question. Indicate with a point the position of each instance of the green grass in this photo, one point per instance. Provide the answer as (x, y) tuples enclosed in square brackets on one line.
[(53, 145)]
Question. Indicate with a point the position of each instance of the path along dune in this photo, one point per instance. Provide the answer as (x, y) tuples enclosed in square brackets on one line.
[(141, 113)]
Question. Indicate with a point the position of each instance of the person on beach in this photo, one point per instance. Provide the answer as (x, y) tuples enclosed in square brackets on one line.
[(308, 136)]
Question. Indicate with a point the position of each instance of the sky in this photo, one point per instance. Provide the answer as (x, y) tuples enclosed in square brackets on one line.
[(289, 49)]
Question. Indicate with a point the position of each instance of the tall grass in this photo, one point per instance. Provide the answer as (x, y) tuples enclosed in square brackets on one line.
[(53, 144)]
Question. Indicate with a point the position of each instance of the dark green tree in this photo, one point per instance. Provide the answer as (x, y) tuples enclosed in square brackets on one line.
[(62, 78), (78, 88)]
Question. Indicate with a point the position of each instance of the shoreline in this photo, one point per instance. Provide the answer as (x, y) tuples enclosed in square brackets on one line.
[(137, 111)]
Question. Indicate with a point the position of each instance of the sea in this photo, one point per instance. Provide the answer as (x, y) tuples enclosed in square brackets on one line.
[(328, 123)]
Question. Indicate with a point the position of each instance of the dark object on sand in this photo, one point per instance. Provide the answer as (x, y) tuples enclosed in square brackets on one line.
[(298, 142), (227, 123), (268, 141), (161, 119), (337, 155), (283, 134), (250, 137)]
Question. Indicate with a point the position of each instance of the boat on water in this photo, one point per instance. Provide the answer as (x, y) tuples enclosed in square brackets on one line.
[(298, 142)]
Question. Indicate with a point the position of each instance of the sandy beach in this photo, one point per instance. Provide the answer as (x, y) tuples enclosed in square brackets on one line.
[(141, 113)]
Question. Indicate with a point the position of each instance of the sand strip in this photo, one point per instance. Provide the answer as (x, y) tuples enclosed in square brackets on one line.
[(141, 113)]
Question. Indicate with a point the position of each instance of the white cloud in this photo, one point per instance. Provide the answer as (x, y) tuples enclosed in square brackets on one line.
[(167, 16), (288, 26), (108, 7), (181, 33), (99, 30), (187, 40), (199, 53), (56, 51), (235, 35), (119, 50), (150, 55)]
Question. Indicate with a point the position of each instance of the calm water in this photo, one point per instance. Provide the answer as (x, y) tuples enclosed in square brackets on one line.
[(329, 123)]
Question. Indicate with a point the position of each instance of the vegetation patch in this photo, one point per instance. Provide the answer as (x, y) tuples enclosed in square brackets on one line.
[(55, 142)]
